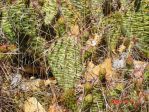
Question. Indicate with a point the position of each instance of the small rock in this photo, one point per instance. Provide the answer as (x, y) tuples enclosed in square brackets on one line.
[(32, 105), (16, 80), (119, 63), (32, 85), (93, 43)]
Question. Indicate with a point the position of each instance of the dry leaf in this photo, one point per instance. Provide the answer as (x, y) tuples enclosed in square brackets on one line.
[(146, 95), (3, 48), (139, 67), (92, 72), (121, 48), (49, 81), (96, 70), (129, 61), (93, 69), (107, 64), (32, 105), (55, 108), (90, 66), (138, 73), (52, 108), (75, 30), (7, 48), (12, 47)]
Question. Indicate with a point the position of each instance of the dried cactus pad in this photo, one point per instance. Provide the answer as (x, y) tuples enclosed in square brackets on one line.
[(65, 61)]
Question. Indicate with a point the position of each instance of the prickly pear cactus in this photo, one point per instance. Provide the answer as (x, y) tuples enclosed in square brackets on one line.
[(65, 61), (137, 26), (50, 9), (98, 101), (129, 24), (114, 26), (18, 19)]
